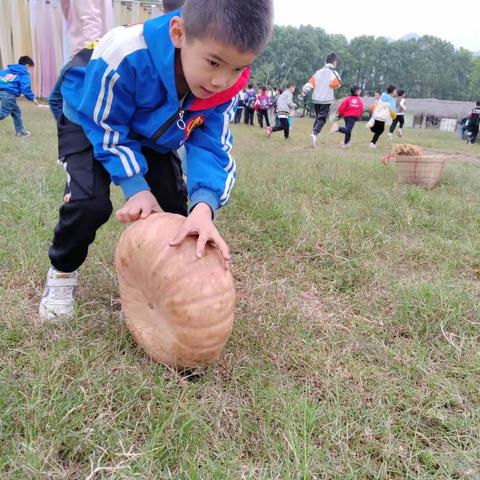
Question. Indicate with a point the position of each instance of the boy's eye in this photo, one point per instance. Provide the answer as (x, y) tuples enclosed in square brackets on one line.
[(212, 63)]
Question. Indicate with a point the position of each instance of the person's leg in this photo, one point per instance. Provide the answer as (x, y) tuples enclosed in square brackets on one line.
[(321, 112), (165, 179), (87, 206), (401, 123), (393, 126), (17, 119), (246, 116), (88, 193), (349, 123), (267, 120), (286, 127), (378, 128), (7, 103), (474, 136), (260, 118)]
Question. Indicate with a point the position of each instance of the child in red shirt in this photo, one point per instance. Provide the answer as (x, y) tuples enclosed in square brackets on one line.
[(351, 110)]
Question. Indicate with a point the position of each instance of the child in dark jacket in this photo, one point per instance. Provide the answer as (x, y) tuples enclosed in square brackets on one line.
[(128, 105), (15, 81), (351, 110), (250, 99)]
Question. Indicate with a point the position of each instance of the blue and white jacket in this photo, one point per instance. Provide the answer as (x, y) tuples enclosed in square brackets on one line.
[(126, 98), (16, 80)]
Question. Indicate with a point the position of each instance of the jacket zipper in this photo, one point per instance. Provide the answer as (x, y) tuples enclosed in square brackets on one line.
[(178, 116)]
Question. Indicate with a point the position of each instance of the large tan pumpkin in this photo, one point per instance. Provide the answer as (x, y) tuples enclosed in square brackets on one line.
[(179, 308)]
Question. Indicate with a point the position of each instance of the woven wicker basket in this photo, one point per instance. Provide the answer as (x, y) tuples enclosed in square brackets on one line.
[(424, 170)]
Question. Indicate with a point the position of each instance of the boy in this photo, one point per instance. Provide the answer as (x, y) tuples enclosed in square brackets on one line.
[(15, 81), (351, 110), (400, 118), (324, 83), (284, 106), (385, 112), (473, 124), (128, 105)]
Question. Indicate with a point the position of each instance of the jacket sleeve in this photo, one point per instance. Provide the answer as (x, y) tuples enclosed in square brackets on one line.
[(107, 106), (310, 85), (26, 87), (342, 107), (211, 167)]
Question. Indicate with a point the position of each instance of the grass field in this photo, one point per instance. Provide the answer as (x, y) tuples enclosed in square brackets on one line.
[(355, 352)]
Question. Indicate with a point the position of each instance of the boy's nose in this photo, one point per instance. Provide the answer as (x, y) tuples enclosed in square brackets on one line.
[(219, 82)]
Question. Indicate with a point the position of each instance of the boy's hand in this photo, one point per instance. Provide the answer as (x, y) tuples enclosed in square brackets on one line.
[(140, 205), (200, 223)]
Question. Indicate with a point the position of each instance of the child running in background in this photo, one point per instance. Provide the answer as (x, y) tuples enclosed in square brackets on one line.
[(324, 82), (385, 112), (400, 119), (473, 124), (284, 106), (15, 81), (351, 110), (263, 104)]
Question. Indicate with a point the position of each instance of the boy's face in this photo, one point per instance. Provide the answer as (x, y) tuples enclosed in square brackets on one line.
[(377, 95), (292, 88), (208, 66)]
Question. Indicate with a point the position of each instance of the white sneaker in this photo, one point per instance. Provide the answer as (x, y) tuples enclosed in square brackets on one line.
[(313, 140), (372, 145), (346, 145), (23, 133), (390, 135), (57, 299)]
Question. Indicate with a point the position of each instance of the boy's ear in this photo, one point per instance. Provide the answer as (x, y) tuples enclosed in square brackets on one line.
[(177, 31)]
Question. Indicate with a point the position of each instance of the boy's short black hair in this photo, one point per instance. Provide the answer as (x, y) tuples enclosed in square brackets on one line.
[(378, 91), (230, 22), (26, 60), (291, 84), (391, 89), (354, 89), (331, 58), (478, 103), (171, 5), (401, 93), (250, 85)]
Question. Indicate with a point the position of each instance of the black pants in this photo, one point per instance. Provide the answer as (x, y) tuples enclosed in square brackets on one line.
[(347, 130), (321, 116), (263, 114), (89, 186), (378, 128), (473, 133), (284, 125), (249, 113), (399, 120), (238, 114)]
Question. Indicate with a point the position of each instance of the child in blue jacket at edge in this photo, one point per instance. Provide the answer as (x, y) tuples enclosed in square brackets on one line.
[(128, 104)]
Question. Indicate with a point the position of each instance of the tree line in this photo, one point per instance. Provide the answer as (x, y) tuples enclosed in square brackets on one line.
[(427, 67)]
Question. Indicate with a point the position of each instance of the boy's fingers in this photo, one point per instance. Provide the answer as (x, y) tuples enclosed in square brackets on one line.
[(201, 242), (224, 250)]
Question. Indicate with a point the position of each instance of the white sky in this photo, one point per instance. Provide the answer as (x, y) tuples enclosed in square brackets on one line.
[(457, 21)]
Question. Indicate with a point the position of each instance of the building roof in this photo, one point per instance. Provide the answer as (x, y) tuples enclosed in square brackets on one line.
[(432, 106)]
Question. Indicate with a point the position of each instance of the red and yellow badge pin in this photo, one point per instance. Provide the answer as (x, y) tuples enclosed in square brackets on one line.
[(195, 122)]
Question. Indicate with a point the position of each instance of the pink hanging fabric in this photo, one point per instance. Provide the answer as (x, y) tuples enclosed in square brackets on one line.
[(87, 20), (46, 26)]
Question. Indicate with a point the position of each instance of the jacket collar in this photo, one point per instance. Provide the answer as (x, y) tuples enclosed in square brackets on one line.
[(157, 32)]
